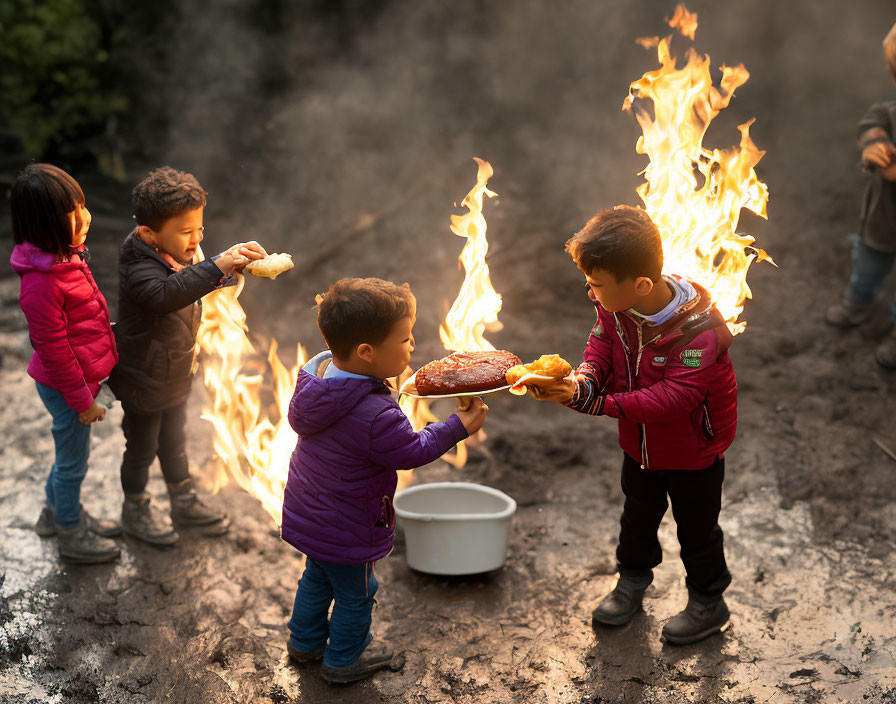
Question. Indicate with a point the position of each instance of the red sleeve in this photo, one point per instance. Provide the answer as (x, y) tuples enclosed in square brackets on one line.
[(42, 303), (687, 378), (598, 351)]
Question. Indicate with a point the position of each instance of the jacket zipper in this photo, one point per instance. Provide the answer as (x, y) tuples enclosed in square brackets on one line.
[(645, 464)]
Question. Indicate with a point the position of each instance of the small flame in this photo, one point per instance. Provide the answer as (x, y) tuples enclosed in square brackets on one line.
[(250, 448), (698, 218)]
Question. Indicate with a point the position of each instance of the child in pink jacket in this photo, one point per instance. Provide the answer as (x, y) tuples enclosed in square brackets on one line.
[(74, 351)]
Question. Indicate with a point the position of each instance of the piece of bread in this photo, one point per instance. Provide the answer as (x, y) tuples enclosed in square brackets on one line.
[(547, 369), (464, 372), (271, 266)]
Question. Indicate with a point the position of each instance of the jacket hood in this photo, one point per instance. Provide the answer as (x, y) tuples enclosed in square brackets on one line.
[(319, 403), (26, 257)]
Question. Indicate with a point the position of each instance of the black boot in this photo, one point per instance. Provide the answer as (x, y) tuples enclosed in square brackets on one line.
[(618, 607), (141, 520), (701, 618), (376, 656), (187, 509)]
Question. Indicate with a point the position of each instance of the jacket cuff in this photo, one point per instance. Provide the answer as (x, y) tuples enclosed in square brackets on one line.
[(211, 272), (612, 409), (457, 428), (80, 400)]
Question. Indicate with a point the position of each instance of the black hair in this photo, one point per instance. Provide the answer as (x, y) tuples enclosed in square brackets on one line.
[(623, 241), (42, 200)]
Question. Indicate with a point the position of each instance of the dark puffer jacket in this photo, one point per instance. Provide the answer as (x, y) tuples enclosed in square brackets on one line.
[(158, 316)]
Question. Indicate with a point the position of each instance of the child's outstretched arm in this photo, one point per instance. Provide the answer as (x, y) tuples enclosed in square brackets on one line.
[(164, 293), (394, 443), (590, 378)]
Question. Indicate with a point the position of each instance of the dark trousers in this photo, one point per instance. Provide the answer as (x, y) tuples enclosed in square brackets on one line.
[(162, 434), (696, 497)]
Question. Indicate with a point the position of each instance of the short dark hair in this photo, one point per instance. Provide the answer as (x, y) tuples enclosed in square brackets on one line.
[(42, 198), (164, 193), (355, 311), (623, 241)]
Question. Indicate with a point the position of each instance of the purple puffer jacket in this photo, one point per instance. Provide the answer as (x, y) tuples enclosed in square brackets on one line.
[(337, 506)]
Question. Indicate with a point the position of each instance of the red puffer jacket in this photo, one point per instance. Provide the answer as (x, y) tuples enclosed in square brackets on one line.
[(68, 322), (672, 386)]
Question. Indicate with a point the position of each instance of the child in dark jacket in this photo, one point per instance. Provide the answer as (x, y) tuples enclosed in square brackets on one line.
[(161, 284), (657, 360), (74, 350), (337, 507), (874, 246)]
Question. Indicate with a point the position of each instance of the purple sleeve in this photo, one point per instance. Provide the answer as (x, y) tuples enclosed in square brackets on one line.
[(395, 445)]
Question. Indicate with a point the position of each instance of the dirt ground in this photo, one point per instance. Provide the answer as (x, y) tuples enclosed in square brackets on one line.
[(809, 509)]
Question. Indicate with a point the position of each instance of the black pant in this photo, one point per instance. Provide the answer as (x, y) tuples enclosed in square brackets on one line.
[(148, 435), (696, 497)]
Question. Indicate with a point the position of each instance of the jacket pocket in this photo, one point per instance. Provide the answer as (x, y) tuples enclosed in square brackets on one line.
[(701, 420), (385, 515), (180, 364), (156, 363)]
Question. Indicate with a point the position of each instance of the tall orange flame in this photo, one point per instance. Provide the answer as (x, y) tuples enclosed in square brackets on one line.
[(250, 447), (697, 217)]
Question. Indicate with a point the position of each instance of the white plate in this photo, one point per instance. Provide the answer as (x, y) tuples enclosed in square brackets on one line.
[(409, 388)]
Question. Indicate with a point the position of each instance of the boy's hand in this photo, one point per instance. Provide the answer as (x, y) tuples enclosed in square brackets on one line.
[(879, 155), (474, 416), (561, 391), (91, 415), (240, 254)]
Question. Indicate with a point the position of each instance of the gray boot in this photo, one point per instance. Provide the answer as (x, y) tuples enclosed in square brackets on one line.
[(80, 546), (376, 656), (187, 509), (46, 524), (846, 315), (618, 607), (141, 520), (701, 618)]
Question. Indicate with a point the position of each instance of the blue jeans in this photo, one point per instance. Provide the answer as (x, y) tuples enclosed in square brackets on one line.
[(72, 440), (351, 588), (869, 269)]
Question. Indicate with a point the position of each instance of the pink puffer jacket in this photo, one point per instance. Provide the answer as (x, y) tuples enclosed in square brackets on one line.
[(68, 322)]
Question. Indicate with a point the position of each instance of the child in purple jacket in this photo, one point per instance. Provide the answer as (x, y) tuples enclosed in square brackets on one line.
[(337, 507)]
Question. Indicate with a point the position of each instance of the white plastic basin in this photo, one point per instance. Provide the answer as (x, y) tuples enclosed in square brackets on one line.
[(455, 528)]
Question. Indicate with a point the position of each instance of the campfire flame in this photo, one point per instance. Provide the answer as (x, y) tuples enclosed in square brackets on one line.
[(697, 216), (475, 310), (252, 444)]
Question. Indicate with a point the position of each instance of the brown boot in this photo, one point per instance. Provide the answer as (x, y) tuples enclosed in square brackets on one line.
[(188, 510), (141, 520), (886, 351)]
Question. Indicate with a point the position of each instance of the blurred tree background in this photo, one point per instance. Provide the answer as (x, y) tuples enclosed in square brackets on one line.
[(94, 84), (80, 79)]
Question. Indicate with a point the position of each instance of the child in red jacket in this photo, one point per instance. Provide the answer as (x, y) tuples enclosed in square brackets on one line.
[(657, 360), (68, 323)]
